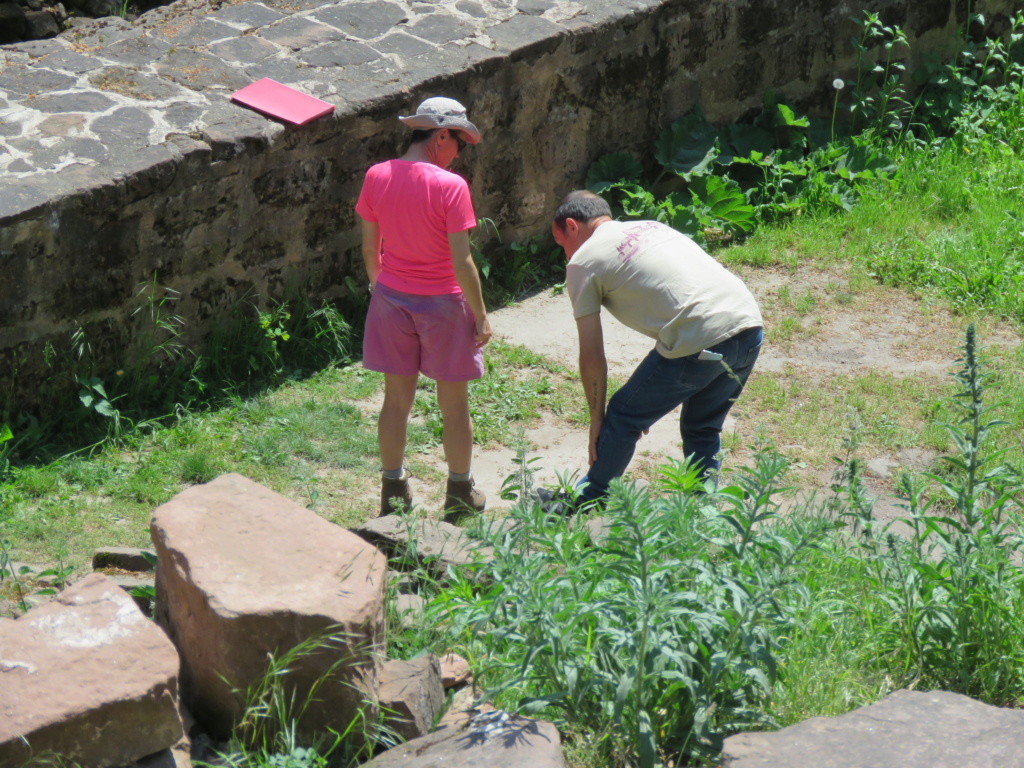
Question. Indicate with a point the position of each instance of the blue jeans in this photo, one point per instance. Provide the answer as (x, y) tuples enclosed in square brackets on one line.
[(705, 388)]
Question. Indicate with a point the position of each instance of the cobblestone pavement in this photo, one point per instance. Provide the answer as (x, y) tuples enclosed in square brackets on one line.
[(103, 96)]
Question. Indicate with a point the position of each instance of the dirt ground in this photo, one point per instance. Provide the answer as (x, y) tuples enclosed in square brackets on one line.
[(873, 328)]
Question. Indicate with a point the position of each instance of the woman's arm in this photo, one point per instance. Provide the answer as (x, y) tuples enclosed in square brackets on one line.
[(371, 249), (469, 281)]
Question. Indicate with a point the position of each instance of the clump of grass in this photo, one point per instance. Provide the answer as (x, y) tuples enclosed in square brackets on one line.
[(272, 730)]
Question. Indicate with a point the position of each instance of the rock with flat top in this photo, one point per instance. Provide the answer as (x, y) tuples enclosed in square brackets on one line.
[(124, 558), (493, 739), (87, 677), (906, 729), (411, 694), (243, 573), (442, 543)]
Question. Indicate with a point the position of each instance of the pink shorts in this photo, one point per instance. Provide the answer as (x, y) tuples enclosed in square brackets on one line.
[(408, 334)]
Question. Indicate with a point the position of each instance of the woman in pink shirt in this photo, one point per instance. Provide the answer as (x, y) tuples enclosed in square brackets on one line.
[(427, 312)]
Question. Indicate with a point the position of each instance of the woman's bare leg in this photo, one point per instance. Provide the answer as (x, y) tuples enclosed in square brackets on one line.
[(393, 425), (453, 400)]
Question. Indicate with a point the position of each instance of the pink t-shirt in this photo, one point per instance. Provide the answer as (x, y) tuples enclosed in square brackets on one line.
[(416, 205)]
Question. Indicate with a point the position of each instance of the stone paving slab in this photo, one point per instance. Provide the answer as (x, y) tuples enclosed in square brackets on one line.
[(906, 729), (121, 88)]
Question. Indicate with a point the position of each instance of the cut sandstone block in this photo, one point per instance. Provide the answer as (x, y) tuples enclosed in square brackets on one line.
[(242, 573), (89, 678), (411, 692)]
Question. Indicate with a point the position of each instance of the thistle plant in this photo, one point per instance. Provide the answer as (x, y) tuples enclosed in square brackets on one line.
[(657, 635), (953, 587)]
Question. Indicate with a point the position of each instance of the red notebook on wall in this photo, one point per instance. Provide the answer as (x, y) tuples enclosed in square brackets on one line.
[(273, 99)]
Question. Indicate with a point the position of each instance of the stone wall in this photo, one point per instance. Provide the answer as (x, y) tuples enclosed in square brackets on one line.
[(236, 205)]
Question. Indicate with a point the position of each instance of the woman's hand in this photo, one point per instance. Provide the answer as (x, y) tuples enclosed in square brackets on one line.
[(482, 334)]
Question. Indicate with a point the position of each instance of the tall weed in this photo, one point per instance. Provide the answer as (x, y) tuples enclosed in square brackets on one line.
[(658, 636), (953, 586)]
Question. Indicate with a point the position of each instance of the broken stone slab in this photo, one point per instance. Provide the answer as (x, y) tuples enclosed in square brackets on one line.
[(89, 678), (364, 21), (448, 544), (242, 573), (455, 671), (493, 739), (523, 32), (411, 695), (124, 558), (906, 729)]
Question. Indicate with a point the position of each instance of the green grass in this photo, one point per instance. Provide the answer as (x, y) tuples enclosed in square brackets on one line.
[(309, 440)]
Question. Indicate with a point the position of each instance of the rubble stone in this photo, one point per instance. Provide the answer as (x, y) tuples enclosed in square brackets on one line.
[(87, 677), (411, 695), (455, 671), (494, 739)]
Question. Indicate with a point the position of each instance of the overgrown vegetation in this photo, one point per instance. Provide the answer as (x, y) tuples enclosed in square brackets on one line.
[(690, 615), (160, 379), (719, 183)]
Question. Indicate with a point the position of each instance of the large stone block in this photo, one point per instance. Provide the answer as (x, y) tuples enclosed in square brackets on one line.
[(89, 678), (242, 572)]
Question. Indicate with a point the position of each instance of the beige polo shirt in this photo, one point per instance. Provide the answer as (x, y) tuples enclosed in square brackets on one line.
[(659, 282)]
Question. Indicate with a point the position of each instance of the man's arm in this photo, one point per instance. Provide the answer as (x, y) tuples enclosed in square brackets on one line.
[(593, 373), (371, 249), (469, 281)]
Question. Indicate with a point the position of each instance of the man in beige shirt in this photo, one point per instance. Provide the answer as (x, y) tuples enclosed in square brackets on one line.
[(706, 326)]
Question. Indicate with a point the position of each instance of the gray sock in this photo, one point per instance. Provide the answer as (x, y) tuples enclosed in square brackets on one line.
[(460, 477), (393, 474)]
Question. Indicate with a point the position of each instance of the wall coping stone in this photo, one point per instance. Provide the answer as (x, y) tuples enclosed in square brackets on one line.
[(135, 88)]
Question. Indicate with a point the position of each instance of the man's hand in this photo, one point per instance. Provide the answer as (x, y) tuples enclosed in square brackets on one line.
[(595, 433)]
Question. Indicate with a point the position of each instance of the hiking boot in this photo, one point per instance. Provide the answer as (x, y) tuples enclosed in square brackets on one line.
[(395, 495), (560, 503), (564, 503), (462, 499)]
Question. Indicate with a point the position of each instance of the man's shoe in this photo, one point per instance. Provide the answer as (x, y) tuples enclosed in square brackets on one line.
[(462, 499), (395, 495), (560, 504)]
